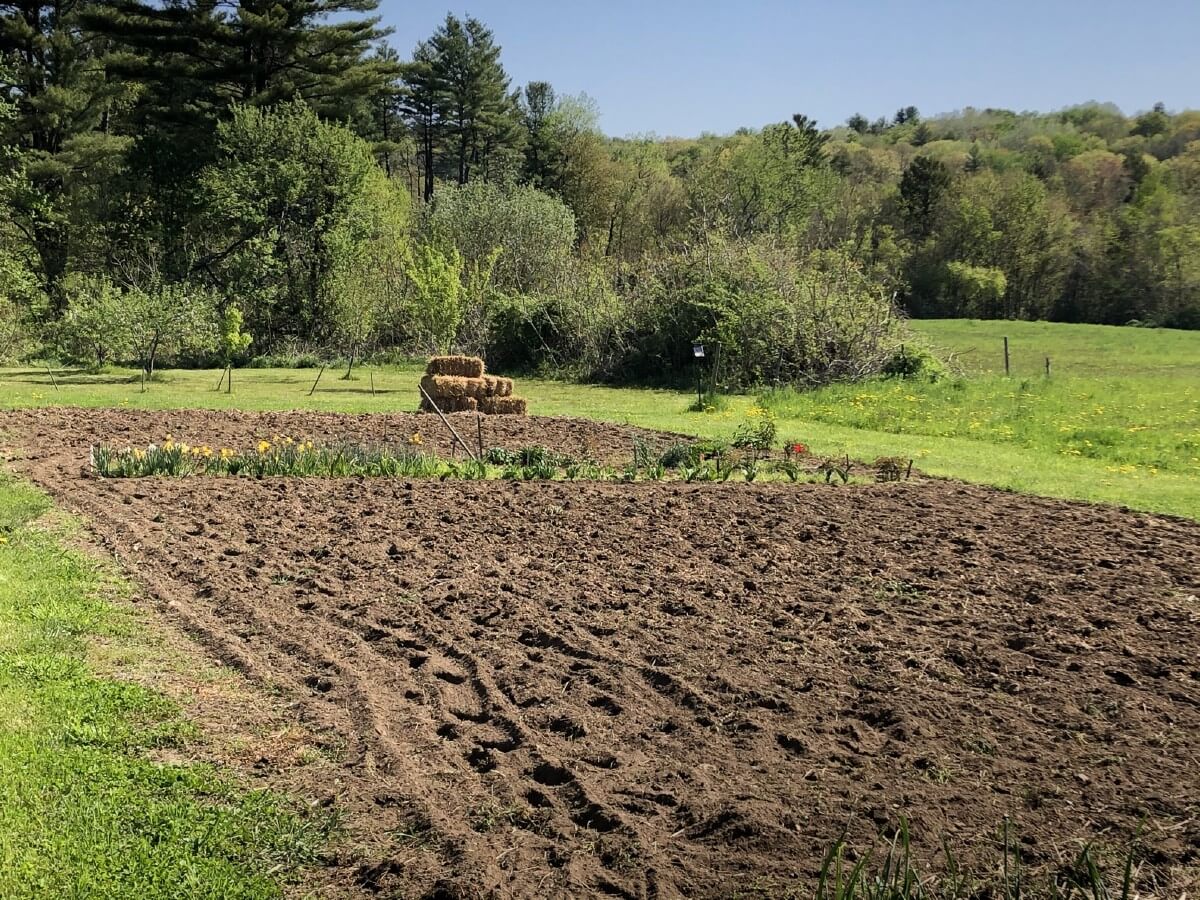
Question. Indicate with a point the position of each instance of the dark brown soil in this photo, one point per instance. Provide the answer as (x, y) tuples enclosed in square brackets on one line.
[(556, 689)]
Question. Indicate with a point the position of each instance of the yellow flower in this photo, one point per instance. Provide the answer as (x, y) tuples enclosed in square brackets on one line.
[(308, 445), (3, 540), (288, 441), (226, 453), (264, 446), (415, 439)]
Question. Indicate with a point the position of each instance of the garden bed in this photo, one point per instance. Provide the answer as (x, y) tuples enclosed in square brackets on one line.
[(548, 688)]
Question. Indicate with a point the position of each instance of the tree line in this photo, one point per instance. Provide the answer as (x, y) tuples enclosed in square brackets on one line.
[(183, 170)]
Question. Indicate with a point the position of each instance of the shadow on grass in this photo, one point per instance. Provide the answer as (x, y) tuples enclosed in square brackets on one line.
[(41, 379)]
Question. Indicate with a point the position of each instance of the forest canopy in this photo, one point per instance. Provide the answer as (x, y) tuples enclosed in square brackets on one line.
[(166, 169)]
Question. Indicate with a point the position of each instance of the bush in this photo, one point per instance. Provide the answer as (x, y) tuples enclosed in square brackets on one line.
[(771, 318), (533, 232), (14, 339), (914, 362), (93, 329)]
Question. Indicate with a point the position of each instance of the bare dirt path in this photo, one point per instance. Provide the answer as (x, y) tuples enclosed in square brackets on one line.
[(539, 689)]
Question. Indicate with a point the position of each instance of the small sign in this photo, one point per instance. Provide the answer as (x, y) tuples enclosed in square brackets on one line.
[(698, 351)]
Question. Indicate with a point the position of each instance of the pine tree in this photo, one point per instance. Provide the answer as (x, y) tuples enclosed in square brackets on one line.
[(61, 129), (194, 59), (460, 106)]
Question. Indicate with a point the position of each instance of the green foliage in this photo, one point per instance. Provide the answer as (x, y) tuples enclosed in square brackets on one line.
[(290, 202), (523, 235), (434, 305), (232, 340), (915, 361), (93, 329), (168, 320), (977, 290), (758, 432), (770, 317), (463, 111)]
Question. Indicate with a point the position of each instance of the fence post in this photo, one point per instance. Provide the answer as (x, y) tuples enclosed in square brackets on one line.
[(1047, 367), (1006, 364)]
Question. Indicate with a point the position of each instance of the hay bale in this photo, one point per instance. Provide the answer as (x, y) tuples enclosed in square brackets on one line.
[(453, 387), (461, 404), (459, 366), (498, 386), (504, 406)]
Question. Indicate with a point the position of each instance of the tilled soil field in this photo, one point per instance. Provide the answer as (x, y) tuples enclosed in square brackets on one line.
[(552, 689)]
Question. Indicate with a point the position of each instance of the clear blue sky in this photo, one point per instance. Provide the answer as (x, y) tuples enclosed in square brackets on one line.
[(674, 67)]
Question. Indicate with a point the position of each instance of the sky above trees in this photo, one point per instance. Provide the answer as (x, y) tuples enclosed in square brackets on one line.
[(683, 67)]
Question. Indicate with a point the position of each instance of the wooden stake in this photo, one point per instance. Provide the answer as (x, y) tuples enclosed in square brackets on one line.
[(143, 381), (50, 371), (315, 383), (1047, 367), (446, 422), (479, 432), (221, 380), (1006, 367), (229, 380), (372, 382)]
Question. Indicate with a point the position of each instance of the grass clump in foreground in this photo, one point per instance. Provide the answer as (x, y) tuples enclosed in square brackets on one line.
[(84, 810), (893, 874)]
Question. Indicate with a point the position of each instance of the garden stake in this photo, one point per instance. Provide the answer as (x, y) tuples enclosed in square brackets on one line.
[(479, 433), (319, 374), (1047, 367), (372, 382), (446, 422), (50, 371), (1006, 356), (229, 380)]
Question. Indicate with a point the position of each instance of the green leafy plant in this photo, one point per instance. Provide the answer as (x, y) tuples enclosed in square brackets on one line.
[(757, 433)]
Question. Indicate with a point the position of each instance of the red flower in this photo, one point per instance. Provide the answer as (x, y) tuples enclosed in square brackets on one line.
[(799, 449)]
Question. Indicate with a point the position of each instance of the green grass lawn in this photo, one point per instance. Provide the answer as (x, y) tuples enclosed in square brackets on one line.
[(1117, 422), (85, 811)]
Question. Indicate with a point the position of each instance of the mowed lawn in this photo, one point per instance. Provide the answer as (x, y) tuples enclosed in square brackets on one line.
[(1117, 421)]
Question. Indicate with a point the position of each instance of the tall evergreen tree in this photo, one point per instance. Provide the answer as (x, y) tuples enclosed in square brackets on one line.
[(461, 107), (195, 58), (62, 127), (420, 104)]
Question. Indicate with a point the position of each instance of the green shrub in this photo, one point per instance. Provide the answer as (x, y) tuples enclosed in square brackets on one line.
[(915, 362)]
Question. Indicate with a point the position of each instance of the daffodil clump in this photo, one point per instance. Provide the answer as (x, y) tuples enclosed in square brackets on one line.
[(276, 457)]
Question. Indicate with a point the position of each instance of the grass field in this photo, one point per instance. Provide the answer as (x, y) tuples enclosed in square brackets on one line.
[(1118, 421), (85, 811)]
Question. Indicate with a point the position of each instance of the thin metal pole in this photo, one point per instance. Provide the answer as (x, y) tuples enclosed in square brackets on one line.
[(446, 422), (315, 383)]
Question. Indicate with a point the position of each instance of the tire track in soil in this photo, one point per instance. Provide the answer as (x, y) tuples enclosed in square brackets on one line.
[(661, 690)]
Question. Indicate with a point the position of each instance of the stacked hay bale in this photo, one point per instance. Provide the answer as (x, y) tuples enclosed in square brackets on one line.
[(458, 384)]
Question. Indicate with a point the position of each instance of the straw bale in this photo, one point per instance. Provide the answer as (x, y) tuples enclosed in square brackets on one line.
[(460, 366), (504, 406)]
